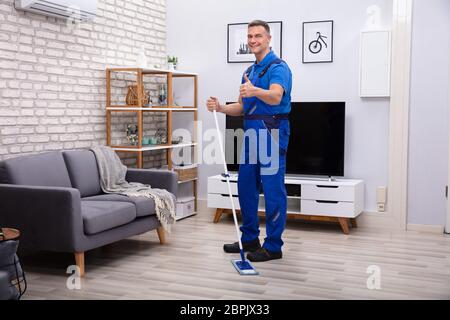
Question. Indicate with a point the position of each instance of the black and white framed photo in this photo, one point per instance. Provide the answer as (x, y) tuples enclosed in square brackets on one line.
[(317, 41), (238, 50)]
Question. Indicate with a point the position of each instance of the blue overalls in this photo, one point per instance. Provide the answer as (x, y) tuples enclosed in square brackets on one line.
[(264, 162)]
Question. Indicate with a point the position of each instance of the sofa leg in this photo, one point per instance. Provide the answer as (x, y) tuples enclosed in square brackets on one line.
[(79, 260), (161, 235)]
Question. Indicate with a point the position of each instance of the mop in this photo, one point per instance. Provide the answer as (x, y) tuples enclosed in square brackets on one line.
[(243, 266)]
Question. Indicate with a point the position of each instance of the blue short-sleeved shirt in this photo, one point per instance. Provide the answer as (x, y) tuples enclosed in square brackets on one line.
[(277, 73)]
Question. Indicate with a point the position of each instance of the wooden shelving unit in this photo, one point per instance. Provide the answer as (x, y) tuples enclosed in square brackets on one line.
[(140, 110)]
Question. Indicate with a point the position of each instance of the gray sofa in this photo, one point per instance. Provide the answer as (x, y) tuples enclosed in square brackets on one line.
[(56, 202)]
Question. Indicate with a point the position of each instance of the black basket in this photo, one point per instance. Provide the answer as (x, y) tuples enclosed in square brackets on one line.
[(10, 264)]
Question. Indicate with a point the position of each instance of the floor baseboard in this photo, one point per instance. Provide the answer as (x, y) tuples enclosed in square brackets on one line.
[(425, 228)]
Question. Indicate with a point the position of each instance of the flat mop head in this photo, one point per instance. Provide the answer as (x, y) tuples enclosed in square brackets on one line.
[(244, 267)]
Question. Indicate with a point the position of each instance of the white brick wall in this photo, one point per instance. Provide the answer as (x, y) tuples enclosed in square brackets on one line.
[(52, 76)]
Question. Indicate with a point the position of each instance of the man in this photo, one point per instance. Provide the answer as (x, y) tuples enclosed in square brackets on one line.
[(265, 102)]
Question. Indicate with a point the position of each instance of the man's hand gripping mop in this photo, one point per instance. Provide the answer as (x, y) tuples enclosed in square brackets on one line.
[(243, 266)]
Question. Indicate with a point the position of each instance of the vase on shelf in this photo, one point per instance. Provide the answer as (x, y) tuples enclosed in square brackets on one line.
[(172, 62), (162, 95)]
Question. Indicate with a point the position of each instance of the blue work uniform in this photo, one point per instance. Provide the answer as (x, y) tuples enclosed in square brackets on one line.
[(270, 123)]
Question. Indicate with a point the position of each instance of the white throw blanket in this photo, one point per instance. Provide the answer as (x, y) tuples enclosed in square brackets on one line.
[(112, 180)]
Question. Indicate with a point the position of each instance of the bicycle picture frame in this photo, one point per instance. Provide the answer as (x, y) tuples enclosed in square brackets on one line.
[(317, 41), (237, 51)]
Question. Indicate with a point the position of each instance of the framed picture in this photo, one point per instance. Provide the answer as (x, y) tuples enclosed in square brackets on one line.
[(238, 50), (317, 41)]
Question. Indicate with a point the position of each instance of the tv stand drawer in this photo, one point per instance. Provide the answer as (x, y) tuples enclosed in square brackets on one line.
[(222, 201), (220, 186), (328, 192), (328, 208)]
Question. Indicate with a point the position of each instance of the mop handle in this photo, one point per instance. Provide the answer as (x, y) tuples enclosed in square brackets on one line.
[(227, 176)]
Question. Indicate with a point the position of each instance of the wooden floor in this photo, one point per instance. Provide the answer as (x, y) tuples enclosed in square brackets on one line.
[(319, 262)]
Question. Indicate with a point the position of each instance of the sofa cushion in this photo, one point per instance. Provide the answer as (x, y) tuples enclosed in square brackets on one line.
[(99, 216), (83, 171), (144, 206), (44, 169)]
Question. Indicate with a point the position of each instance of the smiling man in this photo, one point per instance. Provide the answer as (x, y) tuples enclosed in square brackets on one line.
[(265, 102)]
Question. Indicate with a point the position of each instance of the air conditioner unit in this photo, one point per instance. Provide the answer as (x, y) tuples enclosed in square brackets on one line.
[(77, 10)]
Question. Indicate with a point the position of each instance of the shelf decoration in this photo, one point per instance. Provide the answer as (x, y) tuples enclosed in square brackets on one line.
[(132, 134), (132, 96)]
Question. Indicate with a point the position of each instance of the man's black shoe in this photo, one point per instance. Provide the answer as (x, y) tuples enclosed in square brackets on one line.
[(263, 255), (248, 246)]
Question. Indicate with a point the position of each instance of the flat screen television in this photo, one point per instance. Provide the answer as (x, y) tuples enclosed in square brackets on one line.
[(316, 143)]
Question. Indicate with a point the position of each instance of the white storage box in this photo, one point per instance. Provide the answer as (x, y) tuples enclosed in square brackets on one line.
[(185, 207)]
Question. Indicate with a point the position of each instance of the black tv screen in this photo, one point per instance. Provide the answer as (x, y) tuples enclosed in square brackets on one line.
[(316, 143)]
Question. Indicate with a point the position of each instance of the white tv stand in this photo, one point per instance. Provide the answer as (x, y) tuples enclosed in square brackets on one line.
[(339, 200)]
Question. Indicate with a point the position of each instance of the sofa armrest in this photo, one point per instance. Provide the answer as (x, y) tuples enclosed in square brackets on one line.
[(48, 218), (161, 179)]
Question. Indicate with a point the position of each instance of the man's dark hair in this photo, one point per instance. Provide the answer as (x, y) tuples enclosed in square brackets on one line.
[(256, 23)]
